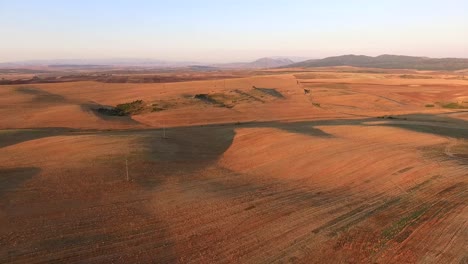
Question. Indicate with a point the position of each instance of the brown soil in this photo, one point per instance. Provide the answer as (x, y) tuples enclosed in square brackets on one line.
[(301, 178)]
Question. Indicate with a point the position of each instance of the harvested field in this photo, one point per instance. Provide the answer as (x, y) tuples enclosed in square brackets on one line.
[(269, 179)]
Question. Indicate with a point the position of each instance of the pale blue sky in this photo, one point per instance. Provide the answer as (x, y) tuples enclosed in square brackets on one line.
[(221, 30)]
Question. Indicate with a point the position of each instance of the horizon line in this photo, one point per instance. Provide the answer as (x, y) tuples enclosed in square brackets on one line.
[(188, 61)]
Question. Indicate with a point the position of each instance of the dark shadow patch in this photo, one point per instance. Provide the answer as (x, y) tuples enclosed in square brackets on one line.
[(15, 136), (28, 90), (208, 99), (41, 96), (452, 113), (190, 148), (430, 124), (11, 178), (270, 91), (459, 133), (205, 98), (195, 143), (304, 129)]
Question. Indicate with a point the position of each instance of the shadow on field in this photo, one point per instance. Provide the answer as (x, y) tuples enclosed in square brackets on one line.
[(11, 178), (270, 91), (16, 136), (41, 96), (300, 128), (191, 149), (187, 158), (422, 123), (432, 124), (184, 151)]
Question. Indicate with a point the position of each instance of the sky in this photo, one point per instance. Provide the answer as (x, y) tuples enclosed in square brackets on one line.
[(228, 31)]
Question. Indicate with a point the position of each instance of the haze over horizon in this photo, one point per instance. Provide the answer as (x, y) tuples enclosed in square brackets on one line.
[(225, 31)]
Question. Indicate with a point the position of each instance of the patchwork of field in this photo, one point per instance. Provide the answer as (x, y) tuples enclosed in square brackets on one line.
[(282, 167)]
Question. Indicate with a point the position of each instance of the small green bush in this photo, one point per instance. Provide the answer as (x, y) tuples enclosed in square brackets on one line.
[(131, 108), (125, 109), (453, 106)]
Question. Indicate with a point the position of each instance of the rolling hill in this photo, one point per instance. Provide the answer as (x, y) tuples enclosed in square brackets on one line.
[(267, 62), (387, 62)]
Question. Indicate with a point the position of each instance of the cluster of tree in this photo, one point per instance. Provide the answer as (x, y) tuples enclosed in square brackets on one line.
[(125, 109)]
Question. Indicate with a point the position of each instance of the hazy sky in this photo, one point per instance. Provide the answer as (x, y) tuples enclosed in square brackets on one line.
[(221, 30)]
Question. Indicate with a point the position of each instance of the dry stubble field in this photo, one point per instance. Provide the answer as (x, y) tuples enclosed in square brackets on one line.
[(365, 168)]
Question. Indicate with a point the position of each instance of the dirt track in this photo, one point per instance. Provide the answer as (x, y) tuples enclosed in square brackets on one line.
[(316, 178)]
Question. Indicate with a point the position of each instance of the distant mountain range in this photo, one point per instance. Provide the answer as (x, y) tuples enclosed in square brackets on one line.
[(387, 62), (269, 62), (97, 62), (382, 61)]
